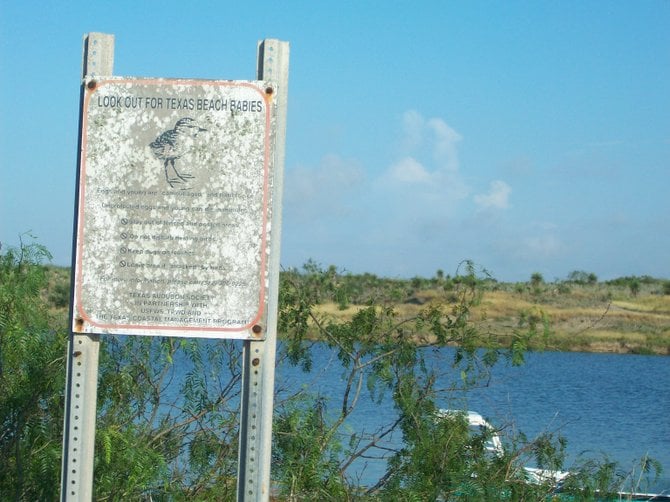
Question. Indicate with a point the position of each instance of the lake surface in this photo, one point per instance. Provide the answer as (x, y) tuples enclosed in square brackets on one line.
[(618, 405)]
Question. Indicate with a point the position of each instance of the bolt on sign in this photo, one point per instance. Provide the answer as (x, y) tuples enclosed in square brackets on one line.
[(174, 207)]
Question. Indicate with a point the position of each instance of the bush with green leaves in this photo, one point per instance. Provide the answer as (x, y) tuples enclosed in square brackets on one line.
[(168, 419), (32, 362), (168, 409), (381, 353), (582, 277), (378, 353)]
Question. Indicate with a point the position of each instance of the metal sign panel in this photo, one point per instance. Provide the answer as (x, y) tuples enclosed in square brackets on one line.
[(174, 205)]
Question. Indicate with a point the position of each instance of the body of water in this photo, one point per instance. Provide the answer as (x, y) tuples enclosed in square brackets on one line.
[(603, 404)]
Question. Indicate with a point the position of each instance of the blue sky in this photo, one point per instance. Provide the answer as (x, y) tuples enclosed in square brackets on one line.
[(526, 136)]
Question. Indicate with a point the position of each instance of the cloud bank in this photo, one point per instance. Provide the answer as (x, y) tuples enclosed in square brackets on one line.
[(417, 213)]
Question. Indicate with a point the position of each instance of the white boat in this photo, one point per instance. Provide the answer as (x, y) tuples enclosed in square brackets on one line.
[(494, 446), (534, 475)]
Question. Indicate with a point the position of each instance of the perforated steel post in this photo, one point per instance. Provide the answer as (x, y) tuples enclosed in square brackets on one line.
[(81, 386), (253, 482)]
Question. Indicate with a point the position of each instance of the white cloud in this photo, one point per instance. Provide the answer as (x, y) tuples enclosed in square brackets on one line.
[(413, 124), (430, 163), (420, 192), (446, 141), (433, 134), (496, 198), (409, 170), (411, 210)]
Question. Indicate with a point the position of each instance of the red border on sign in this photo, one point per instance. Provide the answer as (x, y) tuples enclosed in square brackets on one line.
[(118, 328)]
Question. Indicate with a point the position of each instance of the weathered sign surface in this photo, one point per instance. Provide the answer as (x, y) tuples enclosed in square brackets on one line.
[(174, 207)]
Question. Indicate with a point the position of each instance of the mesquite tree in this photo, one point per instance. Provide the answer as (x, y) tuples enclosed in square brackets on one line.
[(167, 420)]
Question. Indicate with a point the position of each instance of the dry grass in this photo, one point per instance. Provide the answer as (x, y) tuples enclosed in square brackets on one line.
[(594, 318), (591, 318)]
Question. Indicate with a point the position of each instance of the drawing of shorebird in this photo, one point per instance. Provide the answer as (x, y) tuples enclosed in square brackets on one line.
[(173, 144)]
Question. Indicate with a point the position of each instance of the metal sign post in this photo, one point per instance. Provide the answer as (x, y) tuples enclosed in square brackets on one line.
[(177, 226), (253, 479), (81, 386)]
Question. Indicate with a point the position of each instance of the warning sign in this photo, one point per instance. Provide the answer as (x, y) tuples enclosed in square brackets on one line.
[(174, 204)]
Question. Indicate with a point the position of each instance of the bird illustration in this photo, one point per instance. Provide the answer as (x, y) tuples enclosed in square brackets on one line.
[(173, 144)]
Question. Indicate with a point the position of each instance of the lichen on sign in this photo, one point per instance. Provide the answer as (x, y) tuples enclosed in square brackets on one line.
[(174, 203)]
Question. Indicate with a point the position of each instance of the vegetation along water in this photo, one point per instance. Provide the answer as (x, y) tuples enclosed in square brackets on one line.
[(398, 350)]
